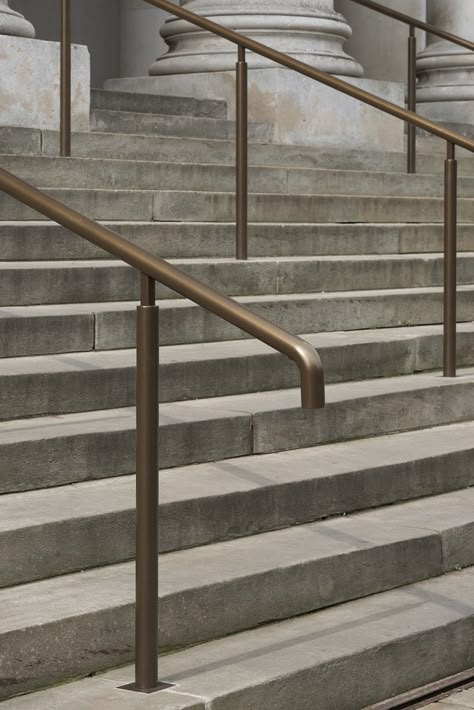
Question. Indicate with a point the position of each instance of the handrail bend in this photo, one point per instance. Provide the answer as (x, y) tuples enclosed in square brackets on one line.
[(154, 269), (414, 22), (297, 349)]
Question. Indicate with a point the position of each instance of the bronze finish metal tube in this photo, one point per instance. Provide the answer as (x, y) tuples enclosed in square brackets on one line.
[(147, 490), (411, 147), (297, 349), (450, 249), (65, 90), (401, 17), (241, 201)]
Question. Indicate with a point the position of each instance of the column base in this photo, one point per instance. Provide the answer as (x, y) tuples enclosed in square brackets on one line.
[(302, 111), (29, 92)]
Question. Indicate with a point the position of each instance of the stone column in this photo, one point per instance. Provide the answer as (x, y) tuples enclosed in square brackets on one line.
[(309, 30), (13, 23), (445, 70)]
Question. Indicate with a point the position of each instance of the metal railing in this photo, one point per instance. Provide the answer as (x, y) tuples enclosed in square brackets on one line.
[(153, 269), (413, 24)]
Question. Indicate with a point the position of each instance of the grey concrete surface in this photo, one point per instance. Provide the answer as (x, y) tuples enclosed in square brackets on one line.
[(185, 126), (43, 240), (161, 104), (282, 664), (28, 283), (74, 447)]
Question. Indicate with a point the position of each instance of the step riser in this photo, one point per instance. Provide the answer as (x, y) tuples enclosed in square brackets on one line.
[(236, 604), (87, 388), (149, 103), (95, 283), (63, 547), (44, 241), (70, 457), (124, 122), (193, 325), (182, 150), (31, 333), (145, 176), (219, 207)]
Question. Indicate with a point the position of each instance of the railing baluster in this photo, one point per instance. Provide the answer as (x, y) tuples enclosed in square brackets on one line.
[(241, 156), (147, 486), (411, 148), (65, 80), (450, 250)]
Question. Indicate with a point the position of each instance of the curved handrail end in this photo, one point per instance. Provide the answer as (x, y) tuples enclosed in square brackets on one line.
[(312, 377)]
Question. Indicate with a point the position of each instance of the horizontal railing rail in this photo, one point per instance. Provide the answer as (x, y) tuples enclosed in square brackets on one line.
[(152, 269), (419, 24), (413, 24)]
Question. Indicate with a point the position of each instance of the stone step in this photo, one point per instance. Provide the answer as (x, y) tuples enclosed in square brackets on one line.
[(154, 103), (25, 283), (210, 503), (78, 382), (217, 590), (354, 647), (128, 122), (177, 206), (67, 448), (182, 150), (43, 240), (40, 385), (145, 175), (36, 330)]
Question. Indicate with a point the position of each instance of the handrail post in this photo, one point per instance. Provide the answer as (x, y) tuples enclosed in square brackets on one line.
[(147, 492), (450, 249), (411, 148), (65, 81), (241, 156)]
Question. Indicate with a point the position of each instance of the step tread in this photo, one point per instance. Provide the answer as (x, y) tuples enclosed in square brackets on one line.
[(125, 358), (219, 261), (287, 660), (226, 561), (74, 308), (211, 480), (244, 405)]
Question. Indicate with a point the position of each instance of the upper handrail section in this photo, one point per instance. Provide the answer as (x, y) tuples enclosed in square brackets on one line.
[(297, 349), (324, 78), (408, 20)]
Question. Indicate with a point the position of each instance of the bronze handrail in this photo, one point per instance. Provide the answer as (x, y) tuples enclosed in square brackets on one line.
[(297, 349), (154, 269), (413, 23)]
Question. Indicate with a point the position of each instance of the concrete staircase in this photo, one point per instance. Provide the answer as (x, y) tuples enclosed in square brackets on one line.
[(311, 559)]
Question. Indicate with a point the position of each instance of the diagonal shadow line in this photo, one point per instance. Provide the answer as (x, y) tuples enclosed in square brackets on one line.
[(284, 645)]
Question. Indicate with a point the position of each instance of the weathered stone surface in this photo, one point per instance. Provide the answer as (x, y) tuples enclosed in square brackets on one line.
[(34, 66)]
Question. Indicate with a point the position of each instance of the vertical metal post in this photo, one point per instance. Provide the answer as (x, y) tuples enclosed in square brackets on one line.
[(450, 249), (411, 148), (65, 88), (242, 156), (147, 488)]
